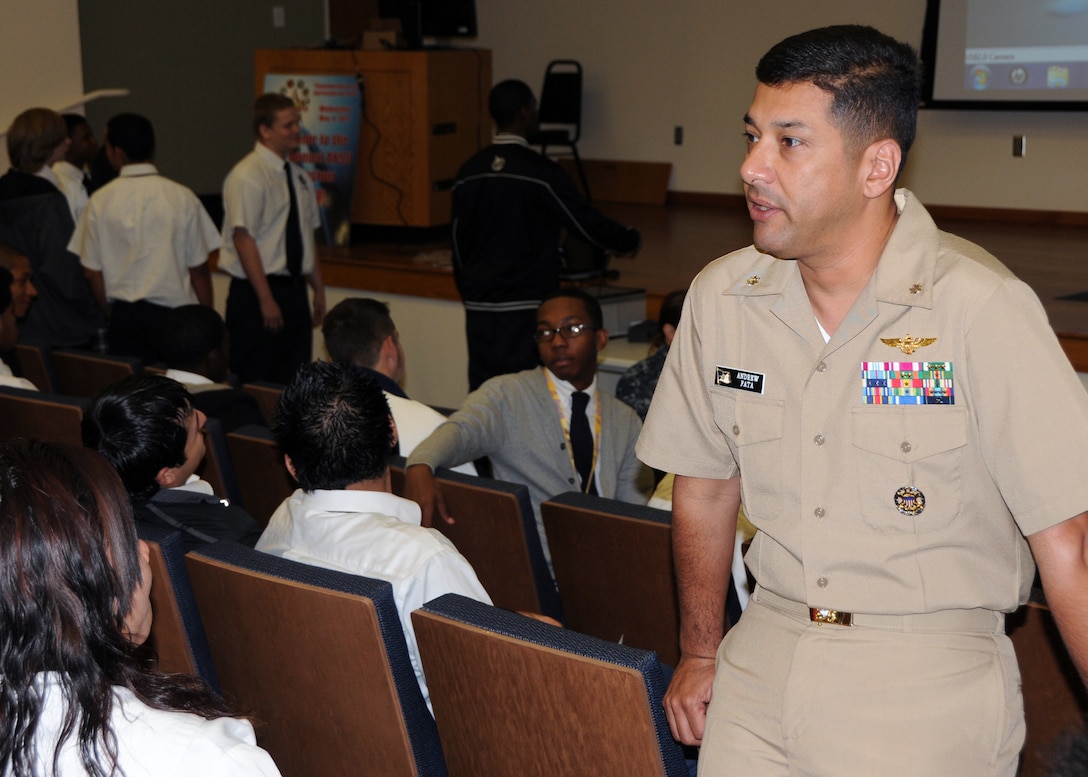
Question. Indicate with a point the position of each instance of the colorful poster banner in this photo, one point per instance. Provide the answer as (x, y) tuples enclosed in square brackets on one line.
[(331, 111)]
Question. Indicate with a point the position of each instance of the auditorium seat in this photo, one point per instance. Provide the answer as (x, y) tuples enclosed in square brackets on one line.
[(177, 634), (262, 476), (513, 696), (319, 660), (33, 414), (613, 565), (496, 531), (217, 467), (267, 395), (37, 366), (86, 373)]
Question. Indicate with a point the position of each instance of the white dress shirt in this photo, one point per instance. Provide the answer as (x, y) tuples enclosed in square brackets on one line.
[(70, 182), (255, 197), (152, 742), (374, 534), (144, 233), (7, 378)]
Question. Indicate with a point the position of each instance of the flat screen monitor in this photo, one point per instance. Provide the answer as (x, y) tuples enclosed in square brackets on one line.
[(432, 19), (1013, 54)]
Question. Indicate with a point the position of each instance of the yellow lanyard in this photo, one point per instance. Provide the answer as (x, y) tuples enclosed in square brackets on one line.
[(566, 432)]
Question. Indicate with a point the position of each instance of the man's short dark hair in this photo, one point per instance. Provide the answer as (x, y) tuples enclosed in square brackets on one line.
[(506, 99), (266, 107), (591, 303), (334, 424), (873, 79), (671, 308), (138, 424), (73, 120), (355, 329), (133, 134), (189, 334)]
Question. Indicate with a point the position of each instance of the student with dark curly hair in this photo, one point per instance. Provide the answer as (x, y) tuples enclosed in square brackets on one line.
[(74, 603)]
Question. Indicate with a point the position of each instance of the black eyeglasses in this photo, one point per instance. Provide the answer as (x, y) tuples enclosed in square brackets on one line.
[(569, 332)]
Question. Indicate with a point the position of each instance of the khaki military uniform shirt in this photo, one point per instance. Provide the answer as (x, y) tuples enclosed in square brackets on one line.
[(863, 503)]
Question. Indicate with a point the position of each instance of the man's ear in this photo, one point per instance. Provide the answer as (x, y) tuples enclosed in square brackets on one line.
[(290, 466), (388, 351), (167, 477), (884, 158), (602, 338)]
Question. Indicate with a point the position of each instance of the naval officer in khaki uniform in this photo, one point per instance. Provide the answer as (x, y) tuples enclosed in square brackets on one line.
[(896, 415)]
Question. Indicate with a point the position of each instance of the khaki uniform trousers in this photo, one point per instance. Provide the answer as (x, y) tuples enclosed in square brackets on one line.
[(891, 696)]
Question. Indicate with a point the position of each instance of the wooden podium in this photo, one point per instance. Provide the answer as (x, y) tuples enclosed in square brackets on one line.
[(425, 113)]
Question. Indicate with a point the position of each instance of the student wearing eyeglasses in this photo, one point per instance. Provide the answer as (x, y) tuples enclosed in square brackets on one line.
[(549, 428)]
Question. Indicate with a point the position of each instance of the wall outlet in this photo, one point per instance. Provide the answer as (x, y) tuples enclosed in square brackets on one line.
[(278, 16), (678, 136), (1019, 145)]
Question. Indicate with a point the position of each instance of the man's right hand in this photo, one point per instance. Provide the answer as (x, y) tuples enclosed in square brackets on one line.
[(421, 488), (687, 698), (273, 317)]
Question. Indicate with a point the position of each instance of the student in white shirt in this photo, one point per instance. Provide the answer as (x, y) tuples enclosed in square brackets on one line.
[(75, 598)]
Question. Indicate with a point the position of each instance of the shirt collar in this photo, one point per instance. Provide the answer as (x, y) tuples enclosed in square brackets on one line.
[(192, 378), (566, 390), (345, 501), (507, 139), (138, 169), (268, 156), (908, 266), (196, 485), (387, 384), (904, 274), (68, 170), (47, 173)]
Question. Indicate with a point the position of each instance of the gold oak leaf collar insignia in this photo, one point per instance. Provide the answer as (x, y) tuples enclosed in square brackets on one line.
[(908, 344)]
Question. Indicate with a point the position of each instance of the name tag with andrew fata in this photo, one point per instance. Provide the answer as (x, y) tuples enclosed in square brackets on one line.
[(730, 377)]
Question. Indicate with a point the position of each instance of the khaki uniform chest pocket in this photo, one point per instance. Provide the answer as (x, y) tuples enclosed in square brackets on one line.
[(900, 448), (753, 428)]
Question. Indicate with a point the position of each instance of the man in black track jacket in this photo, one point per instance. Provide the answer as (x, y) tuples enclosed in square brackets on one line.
[(510, 207)]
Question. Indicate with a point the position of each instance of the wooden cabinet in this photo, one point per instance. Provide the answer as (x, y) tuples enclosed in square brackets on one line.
[(425, 113)]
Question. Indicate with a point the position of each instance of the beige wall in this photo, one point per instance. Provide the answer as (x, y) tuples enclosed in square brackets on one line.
[(653, 65), (28, 29), (650, 66)]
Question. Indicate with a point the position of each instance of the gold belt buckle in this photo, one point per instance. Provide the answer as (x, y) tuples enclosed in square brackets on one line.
[(833, 617)]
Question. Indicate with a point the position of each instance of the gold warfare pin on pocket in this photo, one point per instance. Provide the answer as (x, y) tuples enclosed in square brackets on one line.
[(908, 344)]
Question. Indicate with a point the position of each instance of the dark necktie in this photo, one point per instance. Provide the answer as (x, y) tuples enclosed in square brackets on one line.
[(581, 440), (293, 235)]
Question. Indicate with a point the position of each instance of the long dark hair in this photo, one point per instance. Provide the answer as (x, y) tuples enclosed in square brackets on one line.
[(69, 565)]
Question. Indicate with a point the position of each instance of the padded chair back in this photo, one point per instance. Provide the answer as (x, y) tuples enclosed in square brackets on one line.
[(217, 467), (514, 696), (37, 366), (267, 395), (258, 465), (561, 97), (496, 531), (86, 373), (1055, 701), (319, 659), (595, 544), (560, 112), (32, 414), (177, 634)]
